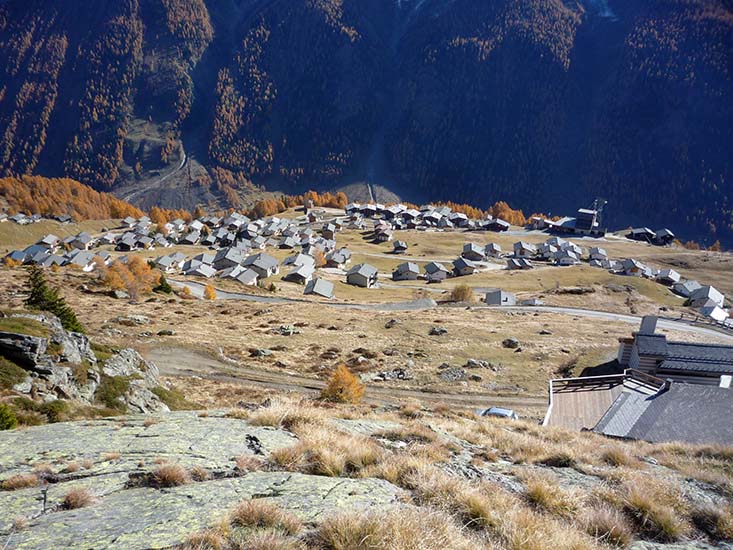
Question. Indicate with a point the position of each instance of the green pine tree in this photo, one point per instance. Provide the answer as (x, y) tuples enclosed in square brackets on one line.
[(163, 286), (44, 298)]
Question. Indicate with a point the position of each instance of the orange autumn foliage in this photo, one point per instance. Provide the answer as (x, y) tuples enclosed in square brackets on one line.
[(57, 196), (136, 277), (343, 387)]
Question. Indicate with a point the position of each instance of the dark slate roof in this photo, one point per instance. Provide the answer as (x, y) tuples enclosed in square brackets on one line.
[(652, 344), (691, 413)]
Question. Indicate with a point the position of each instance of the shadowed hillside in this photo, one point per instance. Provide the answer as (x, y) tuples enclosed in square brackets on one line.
[(542, 104)]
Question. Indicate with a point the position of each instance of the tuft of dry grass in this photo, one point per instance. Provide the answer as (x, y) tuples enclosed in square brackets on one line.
[(608, 526), (618, 456), (657, 508), (324, 451), (87, 464), (199, 473), (20, 523), (544, 493), (169, 475), (288, 415), (398, 529), (150, 421), (78, 498), (249, 463), (41, 468), (71, 467), (21, 481), (261, 514), (714, 521), (109, 457), (272, 541)]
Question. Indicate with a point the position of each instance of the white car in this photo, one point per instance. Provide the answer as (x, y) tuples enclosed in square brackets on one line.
[(498, 412)]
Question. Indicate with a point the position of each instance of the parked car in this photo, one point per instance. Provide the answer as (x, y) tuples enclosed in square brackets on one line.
[(498, 412)]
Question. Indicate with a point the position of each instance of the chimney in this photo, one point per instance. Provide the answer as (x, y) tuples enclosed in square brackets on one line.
[(648, 325)]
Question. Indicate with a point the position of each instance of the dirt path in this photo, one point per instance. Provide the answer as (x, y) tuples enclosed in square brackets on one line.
[(177, 361)]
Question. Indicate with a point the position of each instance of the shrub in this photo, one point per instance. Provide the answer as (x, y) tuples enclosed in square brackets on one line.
[(78, 498), (174, 399), (260, 514), (209, 292), (10, 374), (343, 387), (21, 481), (8, 420), (169, 475), (111, 389), (462, 293)]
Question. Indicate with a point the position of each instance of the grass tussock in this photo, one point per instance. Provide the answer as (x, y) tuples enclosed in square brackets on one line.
[(262, 514), (608, 526), (169, 475), (287, 415), (401, 529), (78, 498), (20, 481), (714, 521), (328, 452), (249, 463), (545, 494)]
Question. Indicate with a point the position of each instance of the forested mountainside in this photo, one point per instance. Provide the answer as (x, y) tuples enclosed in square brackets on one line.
[(542, 103)]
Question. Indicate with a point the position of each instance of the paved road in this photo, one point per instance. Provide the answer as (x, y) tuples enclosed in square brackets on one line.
[(177, 361)]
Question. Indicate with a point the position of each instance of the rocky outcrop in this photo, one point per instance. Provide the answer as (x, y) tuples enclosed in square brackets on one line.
[(126, 516), (22, 349), (62, 365)]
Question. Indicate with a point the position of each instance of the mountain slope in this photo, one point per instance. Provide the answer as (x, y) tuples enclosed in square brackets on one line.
[(543, 104)]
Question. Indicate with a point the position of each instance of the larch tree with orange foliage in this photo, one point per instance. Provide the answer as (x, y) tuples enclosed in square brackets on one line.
[(136, 277), (343, 387)]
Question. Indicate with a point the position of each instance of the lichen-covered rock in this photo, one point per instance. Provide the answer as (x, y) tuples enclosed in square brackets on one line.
[(129, 362), (136, 517)]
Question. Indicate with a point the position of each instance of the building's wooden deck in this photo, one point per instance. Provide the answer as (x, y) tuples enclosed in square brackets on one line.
[(578, 407), (578, 403)]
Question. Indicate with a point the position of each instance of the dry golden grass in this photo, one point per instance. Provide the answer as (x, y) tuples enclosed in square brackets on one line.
[(617, 455), (20, 481), (249, 463), (286, 414), (42, 468), (87, 464), (607, 525), (398, 529), (78, 498), (544, 493), (20, 523), (199, 473), (272, 541), (169, 475), (325, 451), (109, 457), (71, 467), (211, 539), (261, 514), (714, 521)]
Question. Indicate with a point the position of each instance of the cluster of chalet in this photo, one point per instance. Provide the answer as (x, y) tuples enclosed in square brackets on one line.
[(584, 223), (660, 237), (237, 249), (27, 219), (74, 251), (669, 391), (387, 219)]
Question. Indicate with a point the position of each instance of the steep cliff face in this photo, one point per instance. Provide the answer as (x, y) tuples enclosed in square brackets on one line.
[(543, 104)]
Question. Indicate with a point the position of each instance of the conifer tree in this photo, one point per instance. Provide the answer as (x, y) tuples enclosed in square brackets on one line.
[(44, 298)]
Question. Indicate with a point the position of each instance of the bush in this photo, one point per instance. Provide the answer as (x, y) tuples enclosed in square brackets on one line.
[(8, 420), (209, 292), (462, 293), (10, 374), (343, 387), (111, 389)]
